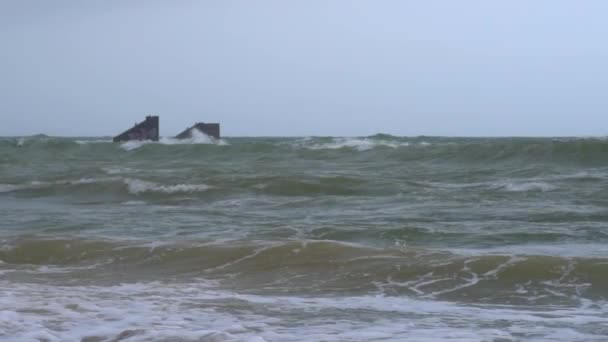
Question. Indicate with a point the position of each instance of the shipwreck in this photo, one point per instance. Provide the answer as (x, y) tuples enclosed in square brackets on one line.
[(210, 129), (149, 130), (146, 130)]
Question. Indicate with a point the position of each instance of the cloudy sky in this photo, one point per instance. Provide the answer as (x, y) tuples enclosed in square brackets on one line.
[(310, 67)]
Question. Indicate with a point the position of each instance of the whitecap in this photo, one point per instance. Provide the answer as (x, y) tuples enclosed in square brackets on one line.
[(85, 181), (8, 187), (359, 144), (527, 187), (200, 312), (137, 186), (570, 250), (117, 170), (97, 141), (133, 145), (197, 138), (134, 203)]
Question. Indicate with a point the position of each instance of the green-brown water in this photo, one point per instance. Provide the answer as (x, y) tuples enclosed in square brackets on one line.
[(304, 239)]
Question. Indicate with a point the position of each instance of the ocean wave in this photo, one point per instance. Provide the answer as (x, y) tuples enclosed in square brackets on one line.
[(134, 186), (197, 138), (333, 186), (559, 250), (511, 185), (33, 185), (525, 186), (589, 175), (199, 311), (8, 187), (359, 144), (330, 265), (134, 144), (581, 151), (117, 170), (137, 186), (93, 141)]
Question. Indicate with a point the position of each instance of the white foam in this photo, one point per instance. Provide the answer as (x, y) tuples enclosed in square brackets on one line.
[(527, 187), (199, 312), (456, 185), (29, 185), (360, 144), (39, 183), (134, 144), (117, 170), (96, 141), (578, 250), (87, 181), (8, 187), (197, 138), (504, 185), (134, 203), (137, 186)]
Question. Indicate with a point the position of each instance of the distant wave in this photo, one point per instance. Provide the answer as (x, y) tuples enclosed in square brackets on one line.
[(8, 187), (525, 187), (137, 187), (503, 185), (93, 141), (125, 181), (359, 144), (197, 138), (589, 151), (101, 185)]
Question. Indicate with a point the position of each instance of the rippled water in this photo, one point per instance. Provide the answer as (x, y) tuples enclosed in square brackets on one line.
[(376, 238)]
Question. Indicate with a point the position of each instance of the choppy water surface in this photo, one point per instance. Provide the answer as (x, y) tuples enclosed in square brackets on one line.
[(376, 238)]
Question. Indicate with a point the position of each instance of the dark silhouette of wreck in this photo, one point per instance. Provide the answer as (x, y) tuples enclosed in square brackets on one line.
[(146, 130), (210, 129)]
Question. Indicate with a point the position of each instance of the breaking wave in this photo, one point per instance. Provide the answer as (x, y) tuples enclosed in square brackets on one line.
[(198, 311), (334, 267), (488, 150), (526, 187), (197, 138), (137, 187), (100, 186), (359, 144), (8, 187)]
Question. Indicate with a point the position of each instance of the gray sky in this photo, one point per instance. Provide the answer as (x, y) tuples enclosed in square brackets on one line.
[(310, 67)]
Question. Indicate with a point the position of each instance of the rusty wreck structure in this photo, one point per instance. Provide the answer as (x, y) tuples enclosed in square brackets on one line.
[(149, 130), (210, 129), (146, 130)]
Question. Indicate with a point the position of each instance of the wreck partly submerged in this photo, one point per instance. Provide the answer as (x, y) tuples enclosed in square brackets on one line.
[(146, 130), (149, 130), (210, 129)]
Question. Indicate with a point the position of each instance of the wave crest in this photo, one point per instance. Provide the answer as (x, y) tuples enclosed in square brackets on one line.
[(197, 138), (333, 265), (527, 187), (137, 186), (359, 144)]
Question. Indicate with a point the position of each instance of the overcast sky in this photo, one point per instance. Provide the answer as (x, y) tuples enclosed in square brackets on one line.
[(310, 67)]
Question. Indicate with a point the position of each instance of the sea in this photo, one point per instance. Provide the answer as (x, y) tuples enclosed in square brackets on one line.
[(376, 238)]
